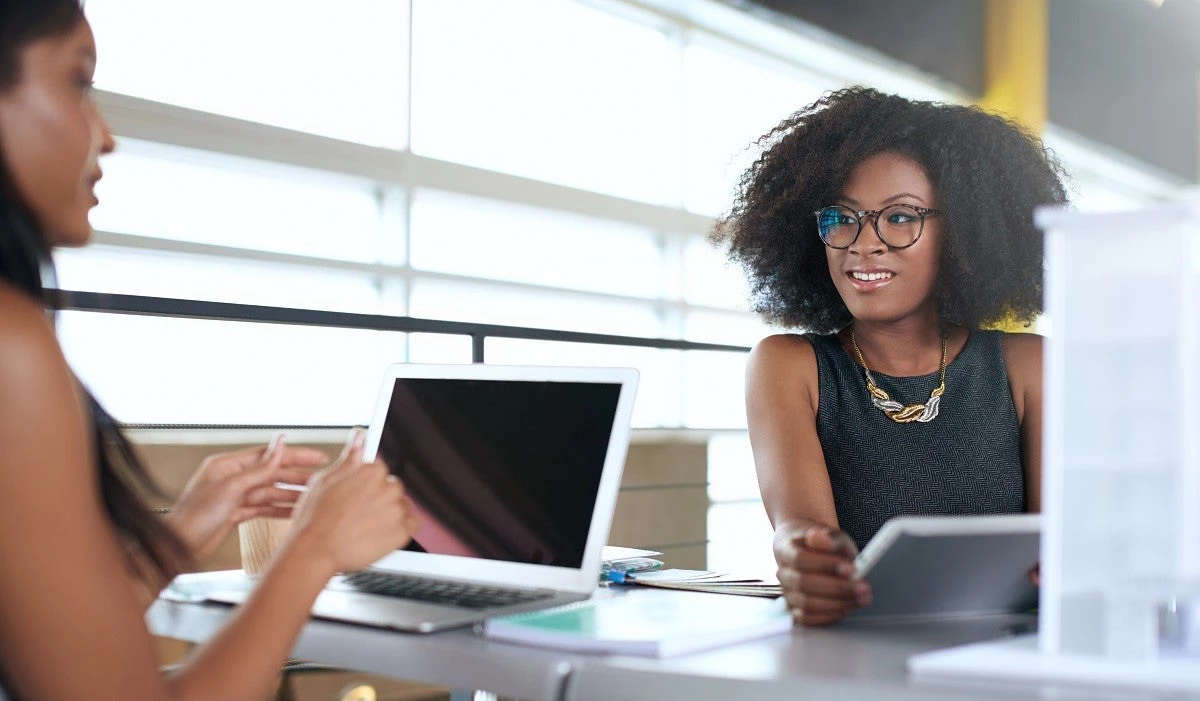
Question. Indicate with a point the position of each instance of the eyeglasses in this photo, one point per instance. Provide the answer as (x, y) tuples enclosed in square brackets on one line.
[(898, 225)]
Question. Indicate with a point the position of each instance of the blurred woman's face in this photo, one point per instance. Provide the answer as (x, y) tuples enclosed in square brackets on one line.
[(52, 134)]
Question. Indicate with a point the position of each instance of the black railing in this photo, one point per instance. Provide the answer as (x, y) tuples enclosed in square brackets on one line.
[(69, 300)]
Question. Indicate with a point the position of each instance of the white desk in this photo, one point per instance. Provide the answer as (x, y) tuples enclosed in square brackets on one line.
[(844, 663), (457, 659)]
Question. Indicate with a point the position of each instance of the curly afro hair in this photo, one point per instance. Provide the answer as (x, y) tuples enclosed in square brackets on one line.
[(989, 174)]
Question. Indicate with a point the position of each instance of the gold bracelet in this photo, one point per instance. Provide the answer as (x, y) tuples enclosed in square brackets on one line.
[(162, 509)]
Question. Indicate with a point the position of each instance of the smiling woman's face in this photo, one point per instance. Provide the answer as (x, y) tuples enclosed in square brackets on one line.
[(52, 134), (878, 283)]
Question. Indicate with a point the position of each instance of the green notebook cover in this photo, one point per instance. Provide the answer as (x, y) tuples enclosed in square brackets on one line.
[(645, 622)]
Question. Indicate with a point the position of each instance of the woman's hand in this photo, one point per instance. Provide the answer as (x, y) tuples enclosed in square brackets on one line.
[(353, 513), (229, 488), (815, 565)]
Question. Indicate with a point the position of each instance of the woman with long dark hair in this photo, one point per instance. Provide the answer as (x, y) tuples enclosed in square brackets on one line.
[(79, 549)]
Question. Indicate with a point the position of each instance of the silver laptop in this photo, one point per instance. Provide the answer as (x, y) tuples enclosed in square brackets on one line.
[(514, 472)]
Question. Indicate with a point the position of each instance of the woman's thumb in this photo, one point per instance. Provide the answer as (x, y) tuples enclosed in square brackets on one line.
[(830, 541)]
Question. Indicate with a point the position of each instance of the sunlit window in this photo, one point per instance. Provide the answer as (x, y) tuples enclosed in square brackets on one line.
[(554, 91), (729, 102), (655, 114), (185, 371), (490, 239), (512, 306), (439, 348), (163, 274), (595, 139), (709, 279), (300, 64), (740, 539), (714, 389), (739, 329), (738, 528), (187, 195)]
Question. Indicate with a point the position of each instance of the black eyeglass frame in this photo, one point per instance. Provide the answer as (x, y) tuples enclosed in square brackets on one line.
[(861, 216)]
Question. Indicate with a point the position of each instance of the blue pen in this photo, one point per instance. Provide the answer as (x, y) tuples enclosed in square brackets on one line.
[(619, 576)]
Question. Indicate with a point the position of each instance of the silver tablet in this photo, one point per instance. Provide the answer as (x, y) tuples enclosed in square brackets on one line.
[(935, 566)]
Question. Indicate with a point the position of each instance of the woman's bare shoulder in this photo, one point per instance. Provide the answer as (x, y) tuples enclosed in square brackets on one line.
[(783, 363), (783, 349), (30, 358), (1023, 354), (1023, 364), (41, 409)]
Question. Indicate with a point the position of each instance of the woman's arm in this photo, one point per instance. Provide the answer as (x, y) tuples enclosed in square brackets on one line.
[(815, 558), (1023, 361), (352, 515), (73, 627), (781, 411)]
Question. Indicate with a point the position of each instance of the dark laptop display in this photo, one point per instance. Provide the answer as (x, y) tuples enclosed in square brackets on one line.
[(500, 469)]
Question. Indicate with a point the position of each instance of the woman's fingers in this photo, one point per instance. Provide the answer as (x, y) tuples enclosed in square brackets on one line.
[(347, 462), (352, 452), (808, 618), (822, 585), (822, 543), (816, 564), (798, 601), (300, 457), (292, 476), (272, 495), (267, 511), (411, 521), (260, 456), (825, 563), (822, 539)]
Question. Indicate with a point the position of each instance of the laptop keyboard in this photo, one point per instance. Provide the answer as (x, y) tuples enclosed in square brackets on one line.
[(471, 596)]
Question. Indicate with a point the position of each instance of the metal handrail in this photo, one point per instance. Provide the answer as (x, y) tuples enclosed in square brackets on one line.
[(72, 300)]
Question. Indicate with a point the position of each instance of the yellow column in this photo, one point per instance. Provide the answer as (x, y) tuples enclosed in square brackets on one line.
[(1016, 59), (1016, 56)]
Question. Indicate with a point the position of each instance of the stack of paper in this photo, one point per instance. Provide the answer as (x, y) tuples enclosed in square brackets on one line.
[(645, 623), (619, 562), (616, 553), (705, 581)]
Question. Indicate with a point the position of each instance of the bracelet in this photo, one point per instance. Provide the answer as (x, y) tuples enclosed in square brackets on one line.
[(162, 509)]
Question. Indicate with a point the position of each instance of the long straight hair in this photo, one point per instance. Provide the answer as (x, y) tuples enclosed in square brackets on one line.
[(26, 264)]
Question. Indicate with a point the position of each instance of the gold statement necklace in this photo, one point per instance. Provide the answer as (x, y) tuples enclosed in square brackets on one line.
[(901, 414)]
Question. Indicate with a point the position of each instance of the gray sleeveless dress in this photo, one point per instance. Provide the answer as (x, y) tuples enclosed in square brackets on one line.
[(965, 461)]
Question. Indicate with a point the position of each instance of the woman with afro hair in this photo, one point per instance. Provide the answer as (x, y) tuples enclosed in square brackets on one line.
[(889, 232)]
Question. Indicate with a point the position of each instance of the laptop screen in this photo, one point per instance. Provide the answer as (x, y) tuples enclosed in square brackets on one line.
[(500, 469)]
